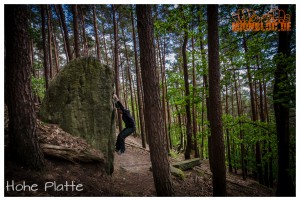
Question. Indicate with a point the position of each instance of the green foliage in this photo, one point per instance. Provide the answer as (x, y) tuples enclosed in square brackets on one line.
[(38, 86)]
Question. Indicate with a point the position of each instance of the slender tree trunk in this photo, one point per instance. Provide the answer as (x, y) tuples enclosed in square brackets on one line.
[(181, 145), (23, 141), (233, 142), (162, 69), (227, 133), (53, 39), (45, 50), (194, 104), (129, 75), (61, 31), (96, 33), (241, 132), (138, 83), (66, 33), (188, 148), (205, 83), (76, 33), (269, 135), (116, 56), (85, 43), (49, 41), (105, 46), (153, 115), (218, 149), (285, 185)]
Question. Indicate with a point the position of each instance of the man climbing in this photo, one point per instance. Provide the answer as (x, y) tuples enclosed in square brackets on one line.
[(129, 125)]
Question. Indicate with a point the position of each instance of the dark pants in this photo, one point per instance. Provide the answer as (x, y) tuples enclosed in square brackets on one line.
[(120, 145)]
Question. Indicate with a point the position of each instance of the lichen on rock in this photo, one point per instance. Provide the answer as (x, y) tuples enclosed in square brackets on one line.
[(79, 99)]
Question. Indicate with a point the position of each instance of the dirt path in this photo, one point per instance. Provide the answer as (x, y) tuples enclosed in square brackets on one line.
[(132, 177)]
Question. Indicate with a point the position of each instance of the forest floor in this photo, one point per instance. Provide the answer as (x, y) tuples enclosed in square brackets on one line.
[(131, 177)]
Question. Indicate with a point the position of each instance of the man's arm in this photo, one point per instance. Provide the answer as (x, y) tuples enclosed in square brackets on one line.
[(118, 102)]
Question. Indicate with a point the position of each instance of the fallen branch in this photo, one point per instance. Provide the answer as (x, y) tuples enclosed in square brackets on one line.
[(71, 154)]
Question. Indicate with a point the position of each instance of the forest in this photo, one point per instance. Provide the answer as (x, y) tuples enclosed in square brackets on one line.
[(214, 82)]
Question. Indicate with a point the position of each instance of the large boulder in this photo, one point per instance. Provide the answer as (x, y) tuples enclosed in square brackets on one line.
[(79, 99)]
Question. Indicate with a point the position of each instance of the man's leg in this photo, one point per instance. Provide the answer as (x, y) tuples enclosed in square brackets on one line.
[(121, 137)]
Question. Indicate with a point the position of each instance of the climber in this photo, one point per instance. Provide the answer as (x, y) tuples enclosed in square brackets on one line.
[(129, 125)]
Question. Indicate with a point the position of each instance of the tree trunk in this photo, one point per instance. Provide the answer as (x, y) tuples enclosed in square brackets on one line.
[(241, 132), (116, 56), (285, 185), (138, 83), (85, 42), (62, 31), (96, 33), (129, 75), (205, 86), (66, 33), (45, 50), (105, 46), (53, 38), (23, 142), (49, 41), (188, 148), (227, 133), (76, 33), (194, 114), (162, 69), (153, 110), (217, 146)]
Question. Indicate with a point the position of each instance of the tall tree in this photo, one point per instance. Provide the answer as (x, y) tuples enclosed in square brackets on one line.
[(96, 33), (66, 32), (48, 8), (282, 100), (76, 32), (23, 140), (153, 109), (217, 141), (116, 57), (45, 49), (188, 148), (138, 82)]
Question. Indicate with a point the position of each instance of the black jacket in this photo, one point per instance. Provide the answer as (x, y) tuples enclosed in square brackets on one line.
[(126, 116)]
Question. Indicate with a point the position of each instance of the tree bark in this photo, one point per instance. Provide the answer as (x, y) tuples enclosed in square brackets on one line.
[(66, 33), (285, 185), (116, 56), (194, 114), (23, 142), (241, 132), (138, 83), (62, 31), (75, 28), (85, 42), (45, 50), (153, 109), (227, 133), (49, 41), (217, 146), (96, 33), (188, 148)]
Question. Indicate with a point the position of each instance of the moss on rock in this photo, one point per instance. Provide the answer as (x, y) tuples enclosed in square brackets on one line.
[(79, 100)]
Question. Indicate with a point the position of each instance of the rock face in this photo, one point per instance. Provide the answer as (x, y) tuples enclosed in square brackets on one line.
[(79, 99)]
